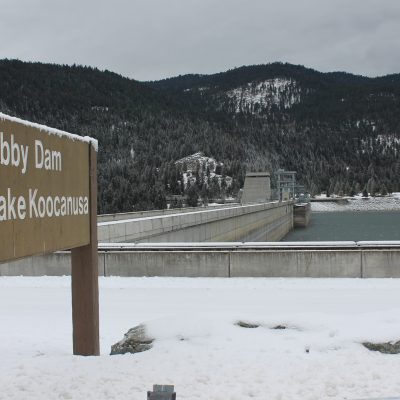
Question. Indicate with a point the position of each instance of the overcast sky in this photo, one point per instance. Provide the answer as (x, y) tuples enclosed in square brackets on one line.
[(153, 39)]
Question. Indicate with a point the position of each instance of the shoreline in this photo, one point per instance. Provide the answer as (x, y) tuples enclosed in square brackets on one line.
[(358, 204)]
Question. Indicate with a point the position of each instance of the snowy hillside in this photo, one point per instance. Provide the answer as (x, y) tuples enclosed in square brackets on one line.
[(198, 159), (384, 144), (337, 130), (198, 166), (257, 97)]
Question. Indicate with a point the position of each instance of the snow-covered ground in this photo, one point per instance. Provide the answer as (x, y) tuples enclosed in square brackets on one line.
[(198, 347), (358, 203)]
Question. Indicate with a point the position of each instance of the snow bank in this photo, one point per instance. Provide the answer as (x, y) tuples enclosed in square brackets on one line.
[(198, 347), (391, 203)]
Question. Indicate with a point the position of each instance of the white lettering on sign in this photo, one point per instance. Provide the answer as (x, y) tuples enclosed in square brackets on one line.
[(34, 204), (39, 206), (45, 158), (13, 154)]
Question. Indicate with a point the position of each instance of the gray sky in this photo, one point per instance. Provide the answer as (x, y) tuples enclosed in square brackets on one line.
[(153, 39)]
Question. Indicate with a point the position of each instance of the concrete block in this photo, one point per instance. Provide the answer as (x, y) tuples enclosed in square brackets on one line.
[(257, 187), (157, 225), (132, 229), (179, 220), (263, 264), (159, 263), (197, 218), (292, 263), (380, 263), (329, 264), (55, 264), (145, 227), (117, 232), (103, 234)]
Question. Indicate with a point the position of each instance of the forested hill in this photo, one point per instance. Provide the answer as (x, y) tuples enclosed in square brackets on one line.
[(324, 96), (341, 132)]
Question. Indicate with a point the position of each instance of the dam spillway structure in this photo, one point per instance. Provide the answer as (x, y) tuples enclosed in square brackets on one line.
[(257, 188)]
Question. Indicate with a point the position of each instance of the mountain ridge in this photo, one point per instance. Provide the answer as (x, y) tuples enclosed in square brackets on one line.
[(341, 133)]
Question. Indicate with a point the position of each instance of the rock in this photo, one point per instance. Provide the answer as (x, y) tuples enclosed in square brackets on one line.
[(135, 340), (386, 348), (279, 327), (247, 324)]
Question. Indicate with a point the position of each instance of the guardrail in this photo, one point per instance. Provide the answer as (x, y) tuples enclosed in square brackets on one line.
[(387, 244)]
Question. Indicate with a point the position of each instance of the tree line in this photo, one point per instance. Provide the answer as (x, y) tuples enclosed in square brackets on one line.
[(342, 137)]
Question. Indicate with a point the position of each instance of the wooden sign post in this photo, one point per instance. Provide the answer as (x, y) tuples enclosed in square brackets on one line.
[(48, 202), (85, 278)]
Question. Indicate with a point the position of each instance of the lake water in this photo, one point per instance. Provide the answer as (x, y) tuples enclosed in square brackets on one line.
[(355, 226)]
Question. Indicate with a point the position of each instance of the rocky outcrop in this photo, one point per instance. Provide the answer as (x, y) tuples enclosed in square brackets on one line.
[(244, 324), (135, 340), (386, 348)]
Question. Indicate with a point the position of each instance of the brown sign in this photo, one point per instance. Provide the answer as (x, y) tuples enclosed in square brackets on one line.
[(44, 189)]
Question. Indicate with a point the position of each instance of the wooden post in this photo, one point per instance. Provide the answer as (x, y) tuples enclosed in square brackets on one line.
[(85, 280)]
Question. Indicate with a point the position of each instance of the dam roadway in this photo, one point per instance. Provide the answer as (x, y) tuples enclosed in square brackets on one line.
[(264, 221)]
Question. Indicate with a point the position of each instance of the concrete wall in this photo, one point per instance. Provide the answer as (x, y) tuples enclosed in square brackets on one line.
[(54, 264), (154, 213), (295, 263), (212, 225), (380, 264), (270, 231), (179, 264), (226, 262)]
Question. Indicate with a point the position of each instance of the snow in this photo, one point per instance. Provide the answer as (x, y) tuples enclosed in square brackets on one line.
[(358, 203), (199, 160), (199, 157), (198, 347), (387, 140), (257, 96), (51, 131), (200, 89), (386, 143)]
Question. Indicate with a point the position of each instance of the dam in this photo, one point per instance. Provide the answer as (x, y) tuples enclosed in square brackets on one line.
[(251, 222), (266, 221), (234, 240), (146, 255)]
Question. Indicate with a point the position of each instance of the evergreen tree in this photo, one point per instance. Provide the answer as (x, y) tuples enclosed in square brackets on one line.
[(143, 128), (192, 196)]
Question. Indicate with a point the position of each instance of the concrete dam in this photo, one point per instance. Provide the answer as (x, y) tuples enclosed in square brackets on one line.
[(265, 222), (251, 222), (191, 249)]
